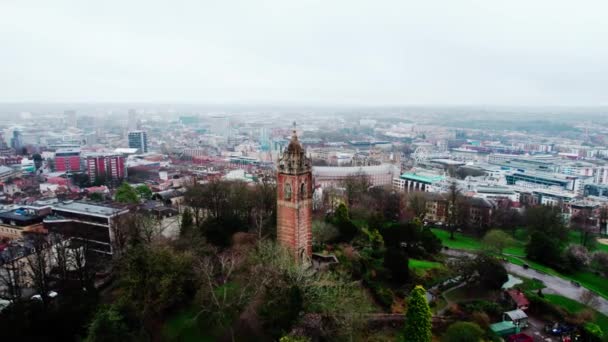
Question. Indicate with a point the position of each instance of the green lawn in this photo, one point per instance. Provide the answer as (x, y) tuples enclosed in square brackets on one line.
[(470, 243), (424, 264), (183, 327), (573, 306), (460, 241)]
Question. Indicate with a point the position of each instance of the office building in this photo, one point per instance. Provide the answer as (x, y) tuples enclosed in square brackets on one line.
[(90, 223), (138, 140)]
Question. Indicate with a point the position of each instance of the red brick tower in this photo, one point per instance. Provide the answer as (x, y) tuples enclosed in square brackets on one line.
[(294, 199)]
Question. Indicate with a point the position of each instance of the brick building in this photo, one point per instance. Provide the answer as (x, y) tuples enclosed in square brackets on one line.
[(294, 199), (105, 167)]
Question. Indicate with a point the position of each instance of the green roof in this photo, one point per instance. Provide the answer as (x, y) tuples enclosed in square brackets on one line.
[(503, 328), (429, 179)]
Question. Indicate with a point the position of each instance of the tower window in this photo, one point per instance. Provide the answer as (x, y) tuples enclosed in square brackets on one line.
[(302, 191), (287, 192)]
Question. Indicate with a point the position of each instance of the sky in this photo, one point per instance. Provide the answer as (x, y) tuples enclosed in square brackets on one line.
[(325, 52)]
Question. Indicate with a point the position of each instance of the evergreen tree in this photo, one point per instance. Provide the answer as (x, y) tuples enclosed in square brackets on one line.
[(187, 223), (418, 317)]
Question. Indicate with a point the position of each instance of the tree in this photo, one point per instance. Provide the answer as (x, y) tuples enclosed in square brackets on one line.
[(96, 196), (463, 332), (12, 273), (323, 232), (577, 256), (355, 186), (418, 317), (544, 249), (348, 230), (454, 208), (155, 280), (187, 224), (603, 218), (548, 220), (126, 194), (496, 241), (144, 192), (396, 261), (109, 325), (39, 265), (483, 269), (417, 204), (599, 260)]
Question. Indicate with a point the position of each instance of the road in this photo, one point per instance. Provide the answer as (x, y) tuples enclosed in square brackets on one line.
[(554, 284)]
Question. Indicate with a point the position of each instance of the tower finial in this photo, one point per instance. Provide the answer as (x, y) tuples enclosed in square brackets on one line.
[(294, 128)]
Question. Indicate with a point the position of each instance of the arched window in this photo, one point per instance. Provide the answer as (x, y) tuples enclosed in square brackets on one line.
[(287, 192), (302, 191)]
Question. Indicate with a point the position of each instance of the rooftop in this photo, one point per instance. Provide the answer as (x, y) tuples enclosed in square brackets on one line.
[(86, 208), (425, 177)]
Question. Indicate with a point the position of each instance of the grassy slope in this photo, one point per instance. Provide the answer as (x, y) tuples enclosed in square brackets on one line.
[(573, 306)]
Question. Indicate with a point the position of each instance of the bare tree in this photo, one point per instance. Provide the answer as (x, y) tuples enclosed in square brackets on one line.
[(454, 208), (81, 264), (417, 203), (219, 302), (39, 264), (355, 186), (603, 218), (11, 273), (586, 225)]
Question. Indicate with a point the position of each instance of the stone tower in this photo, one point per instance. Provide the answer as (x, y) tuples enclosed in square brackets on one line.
[(294, 199)]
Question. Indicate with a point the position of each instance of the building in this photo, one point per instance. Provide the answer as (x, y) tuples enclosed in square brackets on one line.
[(294, 199), (14, 223), (85, 222), (17, 141), (138, 140), (105, 167), (417, 181), (332, 176), (67, 159)]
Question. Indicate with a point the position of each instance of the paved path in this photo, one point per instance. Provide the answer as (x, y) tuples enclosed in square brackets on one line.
[(554, 284)]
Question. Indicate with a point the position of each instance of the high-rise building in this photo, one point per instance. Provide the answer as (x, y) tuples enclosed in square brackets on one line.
[(16, 141), (138, 140), (67, 159), (294, 200), (105, 167)]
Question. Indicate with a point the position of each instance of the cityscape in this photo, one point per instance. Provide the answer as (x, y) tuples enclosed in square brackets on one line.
[(336, 172)]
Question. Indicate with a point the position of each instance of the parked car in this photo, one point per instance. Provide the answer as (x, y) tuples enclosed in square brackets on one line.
[(51, 294), (558, 329)]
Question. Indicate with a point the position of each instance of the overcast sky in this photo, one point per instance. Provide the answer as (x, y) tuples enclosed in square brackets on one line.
[(450, 52)]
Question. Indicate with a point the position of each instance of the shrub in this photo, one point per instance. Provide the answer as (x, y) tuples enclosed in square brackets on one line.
[(463, 332)]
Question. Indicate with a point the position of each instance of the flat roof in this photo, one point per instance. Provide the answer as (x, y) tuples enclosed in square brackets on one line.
[(86, 208), (427, 178)]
